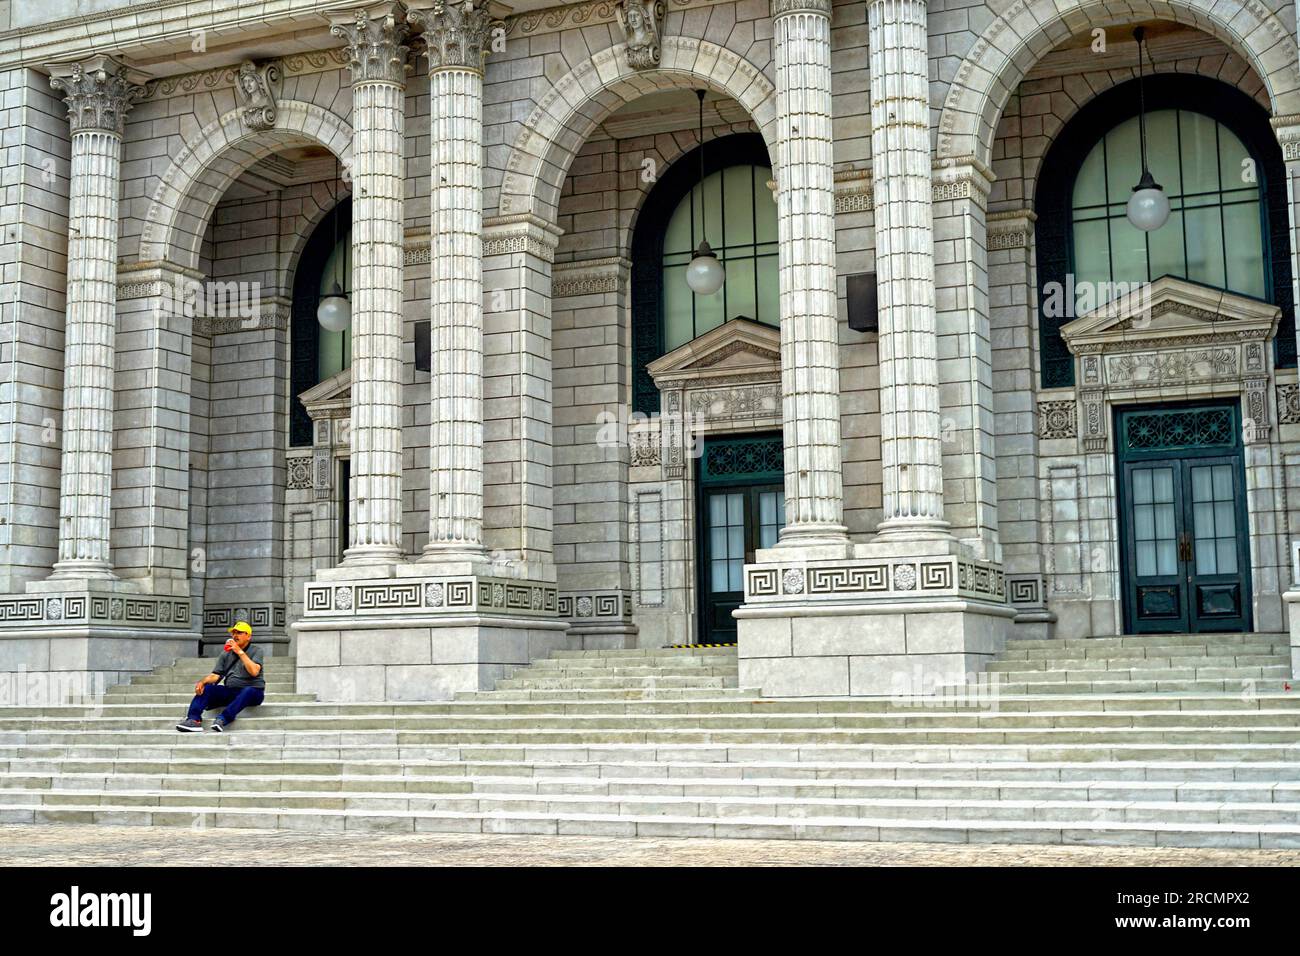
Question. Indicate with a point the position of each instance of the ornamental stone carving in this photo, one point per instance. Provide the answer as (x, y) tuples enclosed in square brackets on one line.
[(1288, 404), (457, 35), (640, 20), (377, 50), (256, 88), (792, 581), (782, 7), (1057, 419), (98, 93)]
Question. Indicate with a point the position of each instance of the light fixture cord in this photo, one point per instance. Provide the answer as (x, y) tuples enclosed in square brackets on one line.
[(704, 228), (1142, 102)]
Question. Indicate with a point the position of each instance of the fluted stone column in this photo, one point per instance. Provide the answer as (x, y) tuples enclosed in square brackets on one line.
[(457, 39), (378, 55), (98, 93), (814, 486), (911, 451)]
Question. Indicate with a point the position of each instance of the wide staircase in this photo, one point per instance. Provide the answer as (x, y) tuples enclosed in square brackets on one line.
[(1153, 741)]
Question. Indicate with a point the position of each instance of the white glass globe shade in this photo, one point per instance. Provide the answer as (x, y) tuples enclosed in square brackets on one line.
[(705, 274), (1148, 207), (334, 313)]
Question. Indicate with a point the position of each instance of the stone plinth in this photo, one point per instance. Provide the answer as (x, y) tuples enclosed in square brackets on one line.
[(422, 636), (881, 620), (59, 645)]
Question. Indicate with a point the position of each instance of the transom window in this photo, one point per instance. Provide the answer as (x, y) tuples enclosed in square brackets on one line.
[(1214, 235), (741, 217)]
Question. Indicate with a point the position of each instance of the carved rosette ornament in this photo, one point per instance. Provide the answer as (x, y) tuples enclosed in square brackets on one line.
[(377, 49), (256, 88), (640, 20), (457, 35), (98, 92)]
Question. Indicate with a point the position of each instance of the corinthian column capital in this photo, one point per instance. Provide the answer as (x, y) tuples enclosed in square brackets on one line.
[(376, 35), (458, 34), (98, 92)]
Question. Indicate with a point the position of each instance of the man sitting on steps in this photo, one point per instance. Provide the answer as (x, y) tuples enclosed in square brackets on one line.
[(240, 664)]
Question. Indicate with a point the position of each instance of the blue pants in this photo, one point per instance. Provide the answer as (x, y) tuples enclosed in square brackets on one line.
[(234, 699)]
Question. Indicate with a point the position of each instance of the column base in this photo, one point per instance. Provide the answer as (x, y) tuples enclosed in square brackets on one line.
[(895, 618), (422, 635), (76, 571)]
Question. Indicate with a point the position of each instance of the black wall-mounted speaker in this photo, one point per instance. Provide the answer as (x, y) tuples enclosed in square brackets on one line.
[(423, 350), (863, 310)]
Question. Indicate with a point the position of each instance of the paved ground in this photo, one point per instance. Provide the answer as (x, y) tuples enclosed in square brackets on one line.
[(167, 846)]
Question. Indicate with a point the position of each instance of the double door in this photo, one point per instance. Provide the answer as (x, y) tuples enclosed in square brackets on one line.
[(1185, 545)]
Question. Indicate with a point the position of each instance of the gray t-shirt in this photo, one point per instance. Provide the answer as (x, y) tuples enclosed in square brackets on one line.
[(238, 673)]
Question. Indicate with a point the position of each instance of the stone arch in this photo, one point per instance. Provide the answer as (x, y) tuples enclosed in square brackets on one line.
[(213, 158), (576, 104), (1065, 104), (1010, 46)]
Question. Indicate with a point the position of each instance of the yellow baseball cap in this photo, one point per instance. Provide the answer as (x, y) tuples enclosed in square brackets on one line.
[(242, 627)]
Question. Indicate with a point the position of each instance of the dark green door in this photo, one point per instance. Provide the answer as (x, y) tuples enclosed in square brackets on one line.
[(741, 508), (1185, 560)]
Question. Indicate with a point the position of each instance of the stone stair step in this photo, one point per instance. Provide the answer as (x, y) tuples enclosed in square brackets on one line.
[(838, 828), (1183, 664), (963, 808), (1141, 640), (1013, 652), (268, 747)]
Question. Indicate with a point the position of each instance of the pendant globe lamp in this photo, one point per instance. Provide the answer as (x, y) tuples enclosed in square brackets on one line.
[(705, 274), (1148, 207), (334, 312)]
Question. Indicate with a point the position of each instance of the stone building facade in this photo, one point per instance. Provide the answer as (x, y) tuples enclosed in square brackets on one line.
[(874, 460)]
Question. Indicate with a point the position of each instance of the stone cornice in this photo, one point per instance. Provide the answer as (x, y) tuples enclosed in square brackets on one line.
[(377, 49), (457, 35), (1012, 229), (316, 61), (589, 276), (98, 92), (503, 235)]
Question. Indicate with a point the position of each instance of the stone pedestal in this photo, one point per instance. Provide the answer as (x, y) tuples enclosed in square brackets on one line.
[(422, 636), (1291, 600), (879, 619), (60, 644)]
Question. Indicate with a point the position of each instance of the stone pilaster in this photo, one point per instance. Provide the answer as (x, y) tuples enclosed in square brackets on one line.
[(960, 197), (98, 93), (378, 56), (911, 432), (1288, 136), (457, 40), (814, 487)]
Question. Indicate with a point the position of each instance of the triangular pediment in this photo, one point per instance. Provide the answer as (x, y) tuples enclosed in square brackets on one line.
[(738, 347), (329, 398), (1167, 311)]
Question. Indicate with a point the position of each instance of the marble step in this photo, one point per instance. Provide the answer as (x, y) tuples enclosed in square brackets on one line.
[(315, 717), (1146, 640), (671, 774), (1247, 792), (875, 829), (532, 682), (1071, 811), (1013, 652), (1101, 683), (1186, 667), (715, 747)]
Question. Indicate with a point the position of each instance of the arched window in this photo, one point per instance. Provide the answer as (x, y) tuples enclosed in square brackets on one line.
[(1215, 233), (1212, 149), (740, 213), (315, 353)]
